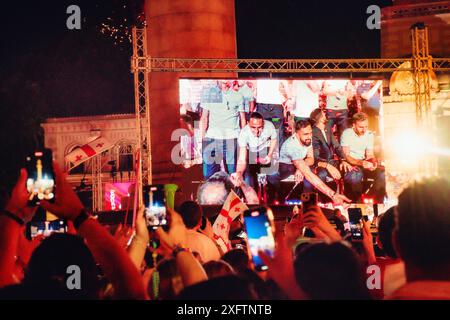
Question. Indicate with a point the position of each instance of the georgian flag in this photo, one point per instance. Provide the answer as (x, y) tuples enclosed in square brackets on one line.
[(232, 208), (87, 151)]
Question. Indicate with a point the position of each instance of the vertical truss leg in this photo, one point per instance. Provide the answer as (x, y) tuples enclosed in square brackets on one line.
[(423, 67), (97, 196), (140, 69)]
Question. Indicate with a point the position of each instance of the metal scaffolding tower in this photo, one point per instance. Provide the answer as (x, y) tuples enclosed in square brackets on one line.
[(140, 69)]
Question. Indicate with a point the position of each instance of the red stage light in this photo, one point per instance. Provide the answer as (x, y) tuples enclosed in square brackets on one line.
[(276, 202), (38, 154)]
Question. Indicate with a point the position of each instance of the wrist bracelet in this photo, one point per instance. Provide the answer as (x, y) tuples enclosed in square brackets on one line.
[(11, 215), (82, 217), (178, 248)]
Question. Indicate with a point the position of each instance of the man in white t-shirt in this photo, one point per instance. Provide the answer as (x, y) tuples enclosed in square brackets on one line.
[(246, 88), (296, 157), (223, 116), (257, 142), (270, 96), (358, 147), (338, 92), (306, 97)]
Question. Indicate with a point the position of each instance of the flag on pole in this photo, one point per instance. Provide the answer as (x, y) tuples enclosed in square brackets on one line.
[(232, 208), (87, 151)]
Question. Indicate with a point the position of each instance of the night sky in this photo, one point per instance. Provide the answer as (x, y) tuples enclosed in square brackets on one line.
[(47, 70)]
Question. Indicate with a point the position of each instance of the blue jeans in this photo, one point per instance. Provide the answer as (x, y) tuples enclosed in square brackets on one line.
[(216, 150), (286, 170)]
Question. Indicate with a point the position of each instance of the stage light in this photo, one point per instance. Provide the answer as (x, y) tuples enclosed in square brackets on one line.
[(410, 145), (276, 202)]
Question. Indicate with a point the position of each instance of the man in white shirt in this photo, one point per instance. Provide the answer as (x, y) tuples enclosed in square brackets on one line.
[(306, 97), (223, 110), (358, 145), (338, 92), (296, 157), (270, 96), (246, 88), (198, 242), (257, 142)]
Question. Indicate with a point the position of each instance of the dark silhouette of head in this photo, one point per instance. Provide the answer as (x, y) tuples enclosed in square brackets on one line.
[(330, 272), (191, 212), (229, 287), (53, 265), (218, 268), (169, 284), (238, 259), (422, 233), (386, 224)]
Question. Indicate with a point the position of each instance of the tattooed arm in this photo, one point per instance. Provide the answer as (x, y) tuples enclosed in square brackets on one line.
[(319, 184)]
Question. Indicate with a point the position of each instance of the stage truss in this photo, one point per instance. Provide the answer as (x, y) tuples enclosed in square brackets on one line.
[(422, 64)]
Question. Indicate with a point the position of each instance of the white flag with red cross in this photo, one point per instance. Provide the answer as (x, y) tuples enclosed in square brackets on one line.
[(87, 151), (232, 208)]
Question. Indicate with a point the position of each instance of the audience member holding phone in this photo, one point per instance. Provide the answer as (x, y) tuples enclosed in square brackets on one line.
[(113, 259)]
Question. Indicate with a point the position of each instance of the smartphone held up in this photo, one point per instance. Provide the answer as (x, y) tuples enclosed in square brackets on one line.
[(41, 177), (155, 206), (356, 225), (260, 234)]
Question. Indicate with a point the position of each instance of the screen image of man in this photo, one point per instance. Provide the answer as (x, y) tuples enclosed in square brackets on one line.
[(358, 146), (328, 154), (257, 142), (246, 88), (296, 157), (270, 96), (369, 97), (223, 111), (337, 92), (306, 98)]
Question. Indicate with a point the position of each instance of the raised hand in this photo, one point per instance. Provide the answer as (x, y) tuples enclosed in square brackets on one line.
[(67, 204), (339, 199), (18, 203), (315, 220), (141, 226), (177, 231), (298, 176), (236, 179)]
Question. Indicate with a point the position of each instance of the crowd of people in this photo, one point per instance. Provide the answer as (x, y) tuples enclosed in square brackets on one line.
[(313, 133), (183, 261)]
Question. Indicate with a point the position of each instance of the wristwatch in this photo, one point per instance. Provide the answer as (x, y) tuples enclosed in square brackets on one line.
[(82, 217)]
